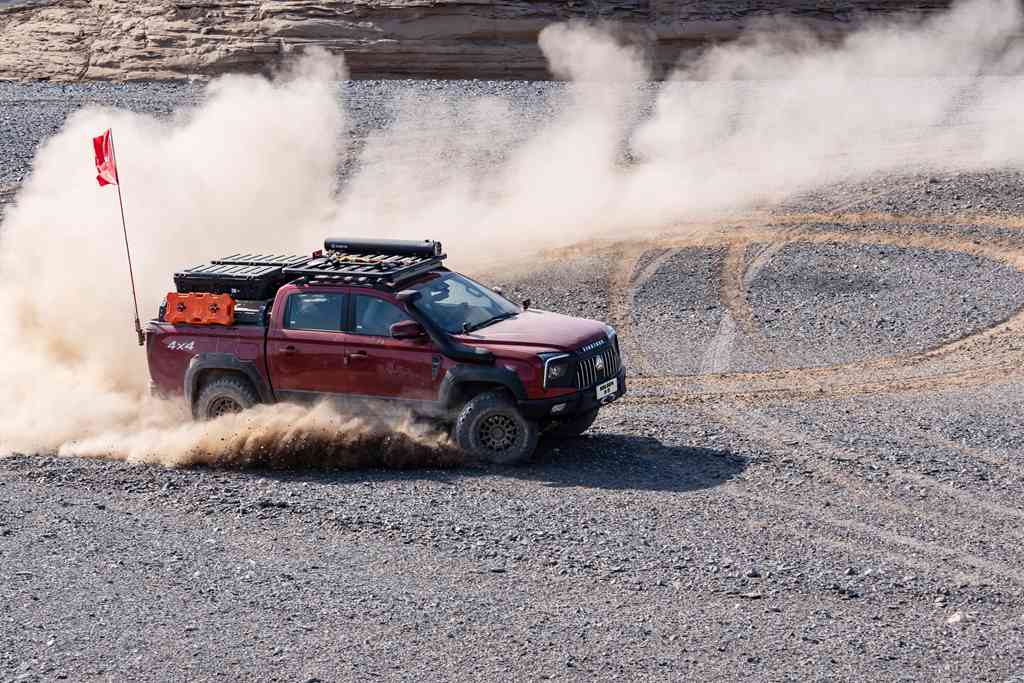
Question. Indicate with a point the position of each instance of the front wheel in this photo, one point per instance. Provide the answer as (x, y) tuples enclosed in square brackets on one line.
[(490, 427)]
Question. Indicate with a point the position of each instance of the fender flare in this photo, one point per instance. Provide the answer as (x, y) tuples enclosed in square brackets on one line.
[(464, 374), (224, 361)]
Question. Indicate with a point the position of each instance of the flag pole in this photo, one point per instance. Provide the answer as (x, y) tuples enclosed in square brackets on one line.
[(127, 250)]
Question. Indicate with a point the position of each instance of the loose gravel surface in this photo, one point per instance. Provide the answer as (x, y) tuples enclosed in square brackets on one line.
[(816, 475), (825, 304), (993, 192), (677, 310), (30, 112)]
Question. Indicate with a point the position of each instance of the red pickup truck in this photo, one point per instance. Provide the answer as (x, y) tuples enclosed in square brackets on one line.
[(369, 321)]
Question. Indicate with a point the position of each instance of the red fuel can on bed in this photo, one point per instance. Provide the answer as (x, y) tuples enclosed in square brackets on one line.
[(200, 309)]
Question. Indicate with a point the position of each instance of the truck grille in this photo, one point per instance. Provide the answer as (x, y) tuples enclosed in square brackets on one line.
[(587, 372)]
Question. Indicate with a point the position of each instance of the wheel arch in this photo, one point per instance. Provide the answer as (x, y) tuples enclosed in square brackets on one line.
[(463, 382), (205, 366)]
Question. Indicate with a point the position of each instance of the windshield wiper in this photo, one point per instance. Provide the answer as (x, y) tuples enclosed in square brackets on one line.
[(485, 323)]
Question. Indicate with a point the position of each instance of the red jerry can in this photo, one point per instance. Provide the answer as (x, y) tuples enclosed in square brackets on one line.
[(200, 309)]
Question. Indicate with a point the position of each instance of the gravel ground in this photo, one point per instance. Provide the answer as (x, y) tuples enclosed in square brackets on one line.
[(825, 304), (29, 112), (992, 192), (845, 523), (579, 284), (676, 311)]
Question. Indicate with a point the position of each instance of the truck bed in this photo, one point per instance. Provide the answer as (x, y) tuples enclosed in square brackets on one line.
[(170, 348)]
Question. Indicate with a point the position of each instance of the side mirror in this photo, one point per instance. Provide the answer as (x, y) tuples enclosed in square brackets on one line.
[(526, 304), (407, 329), (408, 296)]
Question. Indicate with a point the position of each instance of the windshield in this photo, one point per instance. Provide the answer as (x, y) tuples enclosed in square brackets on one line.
[(457, 304)]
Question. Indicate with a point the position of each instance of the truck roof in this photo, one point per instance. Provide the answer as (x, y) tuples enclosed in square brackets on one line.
[(386, 264)]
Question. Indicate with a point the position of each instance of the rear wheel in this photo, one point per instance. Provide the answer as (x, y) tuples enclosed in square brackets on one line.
[(574, 426), (491, 428), (223, 396)]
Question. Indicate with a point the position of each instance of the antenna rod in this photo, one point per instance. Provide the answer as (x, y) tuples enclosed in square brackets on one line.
[(127, 250)]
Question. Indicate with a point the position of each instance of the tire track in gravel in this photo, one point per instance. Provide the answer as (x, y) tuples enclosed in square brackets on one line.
[(983, 455), (841, 379), (815, 383), (777, 428), (953, 516), (842, 513), (850, 549), (881, 218), (875, 535), (877, 552), (738, 278), (781, 433), (718, 355), (734, 281), (722, 344), (624, 283), (735, 278)]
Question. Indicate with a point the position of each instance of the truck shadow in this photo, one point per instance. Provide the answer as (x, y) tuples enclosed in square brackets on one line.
[(621, 462), (599, 461)]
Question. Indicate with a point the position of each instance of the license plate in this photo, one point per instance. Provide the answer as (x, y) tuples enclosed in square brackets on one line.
[(607, 388)]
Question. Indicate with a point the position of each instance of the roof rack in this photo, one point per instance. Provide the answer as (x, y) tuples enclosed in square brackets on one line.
[(384, 263), (283, 260)]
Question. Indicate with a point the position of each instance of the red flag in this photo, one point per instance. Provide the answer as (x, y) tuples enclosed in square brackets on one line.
[(106, 168)]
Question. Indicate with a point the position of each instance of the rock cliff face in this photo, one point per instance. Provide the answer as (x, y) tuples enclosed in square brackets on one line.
[(153, 39)]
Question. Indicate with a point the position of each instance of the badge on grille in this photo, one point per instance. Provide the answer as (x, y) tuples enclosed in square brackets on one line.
[(599, 364)]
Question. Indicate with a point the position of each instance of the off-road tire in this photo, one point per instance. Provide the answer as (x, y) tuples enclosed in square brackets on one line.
[(573, 427), (223, 395), (491, 428)]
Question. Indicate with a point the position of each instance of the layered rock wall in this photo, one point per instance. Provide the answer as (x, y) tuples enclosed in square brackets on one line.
[(66, 40)]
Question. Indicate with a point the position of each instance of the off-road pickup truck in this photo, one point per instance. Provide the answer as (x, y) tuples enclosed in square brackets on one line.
[(367, 321)]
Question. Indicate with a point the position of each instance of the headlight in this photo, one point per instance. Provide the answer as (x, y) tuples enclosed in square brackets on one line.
[(556, 368), (557, 371)]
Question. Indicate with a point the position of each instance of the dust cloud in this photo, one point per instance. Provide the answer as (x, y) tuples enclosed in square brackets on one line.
[(278, 436), (745, 124), (254, 168)]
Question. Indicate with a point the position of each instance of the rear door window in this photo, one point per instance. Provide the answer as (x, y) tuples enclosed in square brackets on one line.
[(375, 316), (315, 311)]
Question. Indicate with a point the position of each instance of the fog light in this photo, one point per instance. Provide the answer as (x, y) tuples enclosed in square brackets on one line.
[(559, 408)]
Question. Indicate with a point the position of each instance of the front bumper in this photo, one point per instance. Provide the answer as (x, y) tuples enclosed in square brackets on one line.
[(583, 401)]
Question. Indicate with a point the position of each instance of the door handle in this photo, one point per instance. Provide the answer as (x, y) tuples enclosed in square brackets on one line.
[(355, 355), (290, 349)]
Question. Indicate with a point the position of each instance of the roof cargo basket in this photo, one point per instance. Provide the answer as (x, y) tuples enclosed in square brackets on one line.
[(380, 263)]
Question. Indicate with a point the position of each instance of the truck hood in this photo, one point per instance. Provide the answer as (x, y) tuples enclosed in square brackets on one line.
[(537, 328)]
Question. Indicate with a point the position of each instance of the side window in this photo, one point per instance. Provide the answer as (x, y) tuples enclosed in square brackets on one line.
[(374, 316), (315, 311)]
